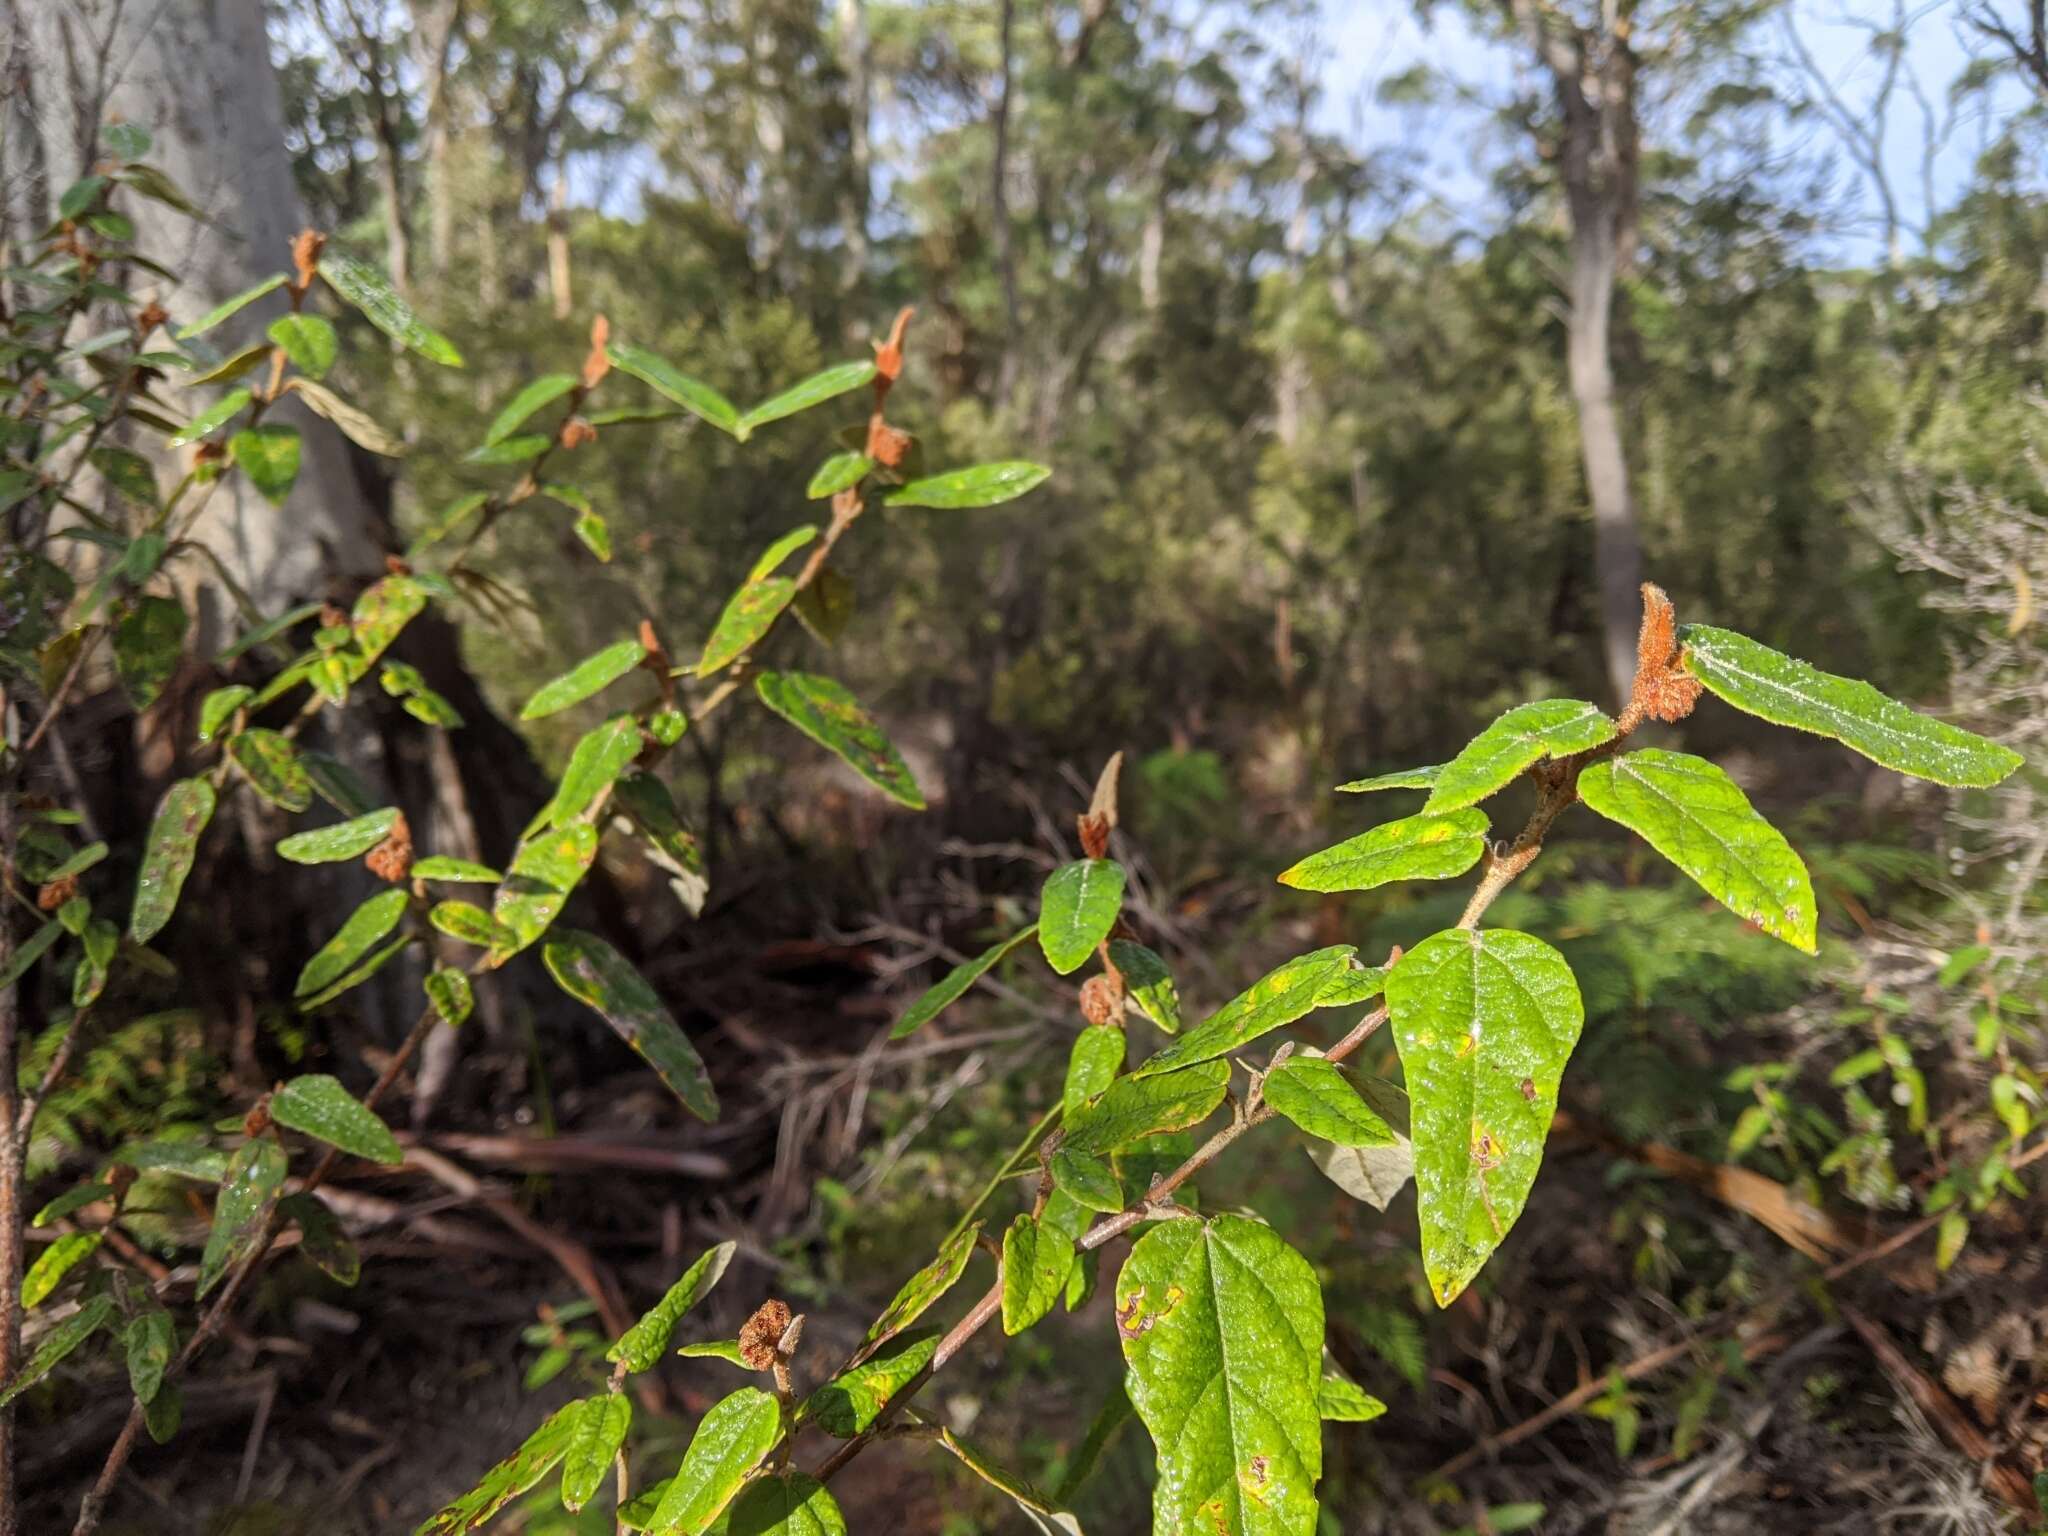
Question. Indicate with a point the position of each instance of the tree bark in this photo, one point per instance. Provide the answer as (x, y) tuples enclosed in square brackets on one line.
[(999, 210), (1617, 545), (853, 63), (433, 39)]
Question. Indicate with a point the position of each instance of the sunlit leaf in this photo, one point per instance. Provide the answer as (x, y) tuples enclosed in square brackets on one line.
[(827, 713), (1425, 847), (1076, 910), (548, 387), (269, 456), (694, 396), (983, 485), (854, 1399), (641, 1347), (600, 1431), (1279, 997), (1523, 736), (371, 292), (732, 1439), (511, 1477), (182, 814), (364, 930), (954, 984), (241, 1211), (1319, 1098), (345, 840), (815, 390), (320, 1107), (229, 307), (602, 979)]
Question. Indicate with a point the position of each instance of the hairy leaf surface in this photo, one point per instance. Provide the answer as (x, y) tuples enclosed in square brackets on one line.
[(1424, 847), (1523, 736), (1278, 998)]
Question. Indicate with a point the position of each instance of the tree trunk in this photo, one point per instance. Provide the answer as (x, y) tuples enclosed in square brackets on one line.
[(999, 206), (391, 186), (433, 38), (853, 62), (1617, 545), (558, 245)]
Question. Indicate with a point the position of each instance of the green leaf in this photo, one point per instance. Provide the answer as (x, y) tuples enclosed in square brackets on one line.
[(147, 645), (599, 757), (1524, 735), (1342, 1401), (164, 1413), (1354, 984), (446, 522), (984, 485), (236, 365), (854, 1399), (1040, 1509), (59, 1342), (1097, 1057), (382, 612), (1371, 1173), (727, 1350), (1135, 1107), (549, 386), (268, 630), (1076, 909), (270, 763), (1695, 815), (600, 1431), (698, 398), (815, 390), (322, 1239), (544, 871), (241, 1211), (365, 928), (752, 610), (584, 678), (344, 840), (54, 1263), (471, 924), (186, 1159), (79, 862), (72, 1200), (641, 1346), (954, 984), (595, 534), (126, 141), (1036, 1260), (1147, 983), (269, 456), (1317, 1097), (438, 866), (1087, 1180), (598, 976), (669, 845), (148, 1341), (214, 417), (731, 1440), (320, 1107), (228, 308), (1425, 847), (824, 711), (510, 1477), (1775, 687), (308, 341), (355, 424), (1405, 778), (29, 951), (923, 1288), (785, 1504), (370, 291), (1222, 1330), (219, 707), (1484, 1022), (182, 814), (837, 473), (1281, 996), (449, 993), (101, 940)]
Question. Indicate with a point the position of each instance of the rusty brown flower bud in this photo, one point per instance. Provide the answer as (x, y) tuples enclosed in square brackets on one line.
[(763, 1331), (392, 859), (1102, 999), (56, 893), (576, 432)]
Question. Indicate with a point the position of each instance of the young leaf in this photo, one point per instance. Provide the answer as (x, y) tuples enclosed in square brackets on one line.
[(1279, 997), (365, 928), (1342, 1401), (1425, 847), (437, 866), (588, 676), (1097, 1057), (837, 473), (59, 1342), (595, 534), (747, 617), (732, 1439), (227, 308), (370, 292), (147, 645), (824, 711), (1484, 1022), (984, 485), (727, 1350), (1135, 1107), (219, 706), (1222, 1331), (270, 763), (600, 1431), (269, 456), (549, 386), (319, 1106), (356, 424), (598, 976), (1088, 1181), (954, 984), (214, 417), (922, 1289), (1524, 735), (854, 1399), (1779, 688), (642, 1345), (510, 1477), (449, 993), (148, 1341), (241, 1211), (698, 398), (182, 814), (1405, 778), (1076, 910), (544, 871), (599, 757), (308, 341), (345, 840), (1147, 983), (815, 390), (785, 1504), (54, 1263), (323, 1241), (1695, 815), (1317, 1096), (1036, 1259)]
